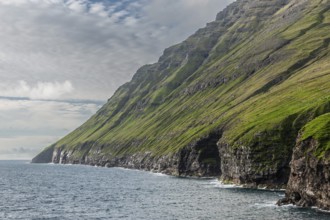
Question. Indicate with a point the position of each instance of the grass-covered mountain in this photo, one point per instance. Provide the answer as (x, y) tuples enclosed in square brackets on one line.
[(229, 101)]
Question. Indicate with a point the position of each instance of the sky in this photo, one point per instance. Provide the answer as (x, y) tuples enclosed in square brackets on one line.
[(60, 60)]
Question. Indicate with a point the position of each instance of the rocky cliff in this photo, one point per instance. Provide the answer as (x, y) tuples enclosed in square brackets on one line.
[(309, 183), (230, 101)]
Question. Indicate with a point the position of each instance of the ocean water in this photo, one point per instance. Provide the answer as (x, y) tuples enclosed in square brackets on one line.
[(46, 191)]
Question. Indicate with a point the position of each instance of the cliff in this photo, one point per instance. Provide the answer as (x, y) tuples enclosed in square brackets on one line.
[(230, 101), (309, 183)]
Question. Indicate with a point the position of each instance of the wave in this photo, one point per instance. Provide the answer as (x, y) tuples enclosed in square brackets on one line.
[(159, 174), (320, 210), (219, 184)]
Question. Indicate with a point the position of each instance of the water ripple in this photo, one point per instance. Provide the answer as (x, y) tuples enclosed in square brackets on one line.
[(51, 192)]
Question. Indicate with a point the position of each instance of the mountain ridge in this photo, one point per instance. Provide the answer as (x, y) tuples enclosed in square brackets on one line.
[(230, 101)]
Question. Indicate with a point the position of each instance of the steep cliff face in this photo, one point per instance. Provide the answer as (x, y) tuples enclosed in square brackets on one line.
[(46, 156), (309, 183), (229, 101)]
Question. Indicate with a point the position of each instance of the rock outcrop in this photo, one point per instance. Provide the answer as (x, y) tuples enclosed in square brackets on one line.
[(199, 159), (309, 183), (46, 156)]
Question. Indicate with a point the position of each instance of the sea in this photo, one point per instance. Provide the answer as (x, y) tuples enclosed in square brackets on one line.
[(48, 191)]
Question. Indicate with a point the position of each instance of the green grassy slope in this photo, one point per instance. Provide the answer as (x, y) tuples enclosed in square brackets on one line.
[(258, 74), (318, 129)]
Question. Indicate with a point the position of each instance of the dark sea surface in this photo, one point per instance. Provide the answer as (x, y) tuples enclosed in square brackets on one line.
[(46, 191)]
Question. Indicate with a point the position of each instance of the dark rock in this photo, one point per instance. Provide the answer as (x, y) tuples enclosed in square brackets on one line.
[(309, 183), (199, 159), (45, 156)]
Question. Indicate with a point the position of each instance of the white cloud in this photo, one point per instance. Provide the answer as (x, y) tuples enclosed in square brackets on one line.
[(77, 5), (99, 9), (42, 90)]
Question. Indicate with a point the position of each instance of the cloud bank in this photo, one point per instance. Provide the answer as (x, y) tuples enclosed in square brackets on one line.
[(41, 90)]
